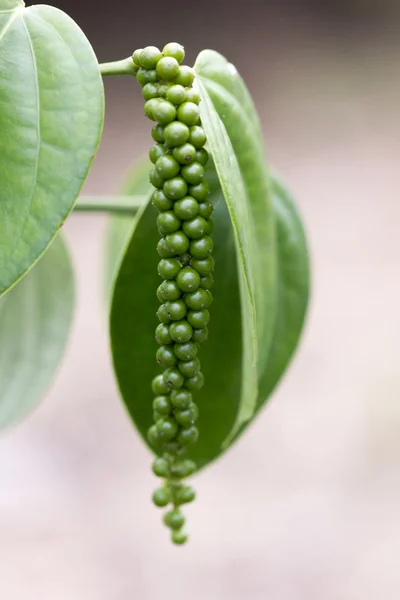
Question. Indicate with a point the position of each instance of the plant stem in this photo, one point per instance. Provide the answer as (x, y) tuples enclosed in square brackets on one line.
[(119, 67), (128, 205)]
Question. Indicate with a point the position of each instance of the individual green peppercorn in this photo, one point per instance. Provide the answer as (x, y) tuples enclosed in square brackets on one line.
[(167, 429), (200, 335), (201, 248), (189, 368), (198, 318), (149, 57), (161, 497), (149, 91), (185, 350), (173, 378), (160, 467), (174, 519), (202, 156), (197, 137), (186, 208), (184, 154), (193, 173), (185, 76), (175, 188), (168, 222), (176, 94), (187, 417), (188, 279), (196, 382), (159, 297), (188, 113), (206, 282), (156, 152), (144, 76), (204, 266), (176, 309), (159, 386), (176, 134), (192, 96), (183, 468), (180, 332), (157, 133), (179, 537), (155, 179), (162, 335), (163, 112), (175, 50), (169, 290), (163, 315), (199, 191), (177, 242), (206, 209), (195, 228), (136, 57), (198, 300), (167, 167), (168, 68), (168, 268), (163, 250), (162, 404), (181, 399), (184, 495), (149, 107), (160, 201), (188, 435), (210, 227), (166, 357)]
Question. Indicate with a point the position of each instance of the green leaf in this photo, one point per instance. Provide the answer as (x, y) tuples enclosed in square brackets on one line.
[(235, 143), (35, 318), (51, 98)]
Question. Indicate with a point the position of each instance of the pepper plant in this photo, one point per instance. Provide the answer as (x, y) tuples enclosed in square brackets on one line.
[(205, 246)]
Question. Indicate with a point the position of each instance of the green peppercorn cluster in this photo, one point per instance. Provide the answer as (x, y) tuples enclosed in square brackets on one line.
[(186, 266)]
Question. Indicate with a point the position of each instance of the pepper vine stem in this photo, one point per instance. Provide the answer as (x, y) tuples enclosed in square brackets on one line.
[(110, 204), (119, 67)]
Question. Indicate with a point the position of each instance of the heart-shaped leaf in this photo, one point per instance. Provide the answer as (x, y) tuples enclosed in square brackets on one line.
[(35, 318), (51, 99)]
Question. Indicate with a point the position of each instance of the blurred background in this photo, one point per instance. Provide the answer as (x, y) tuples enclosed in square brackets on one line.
[(306, 505)]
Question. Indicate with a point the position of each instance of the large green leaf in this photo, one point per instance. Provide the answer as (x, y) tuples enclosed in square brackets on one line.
[(51, 114), (35, 318)]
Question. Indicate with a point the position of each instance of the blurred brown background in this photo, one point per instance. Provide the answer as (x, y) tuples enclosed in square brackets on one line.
[(306, 506)]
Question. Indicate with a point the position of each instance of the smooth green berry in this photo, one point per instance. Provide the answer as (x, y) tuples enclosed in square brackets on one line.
[(178, 242), (184, 495), (167, 429), (161, 497), (176, 94), (176, 134), (175, 50), (186, 208), (185, 350), (160, 467), (184, 154), (175, 188), (163, 112), (198, 318), (198, 300), (188, 113), (197, 137), (156, 152), (160, 201), (192, 96), (163, 315), (162, 335), (169, 290), (173, 378), (201, 248), (159, 386), (193, 173), (174, 519), (195, 228), (200, 191), (149, 57), (200, 335), (189, 368), (149, 107), (155, 179), (180, 332), (166, 357), (168, 68), (184, 76), (168, 268), (160, 298), (204, 266), (202, 156), (179, 537), (163, 250), (144, 76), (196, 382), (157, 133), (149, 91), (188, 279), (162, 404), (207, 281), (167, 167), (206, 209), (168, 222), (136, 57), (183, 468), (181, 399), (188, 435), (176, 309)]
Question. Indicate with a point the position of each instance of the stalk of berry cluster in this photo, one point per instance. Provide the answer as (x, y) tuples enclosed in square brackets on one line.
[(185, 248)]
